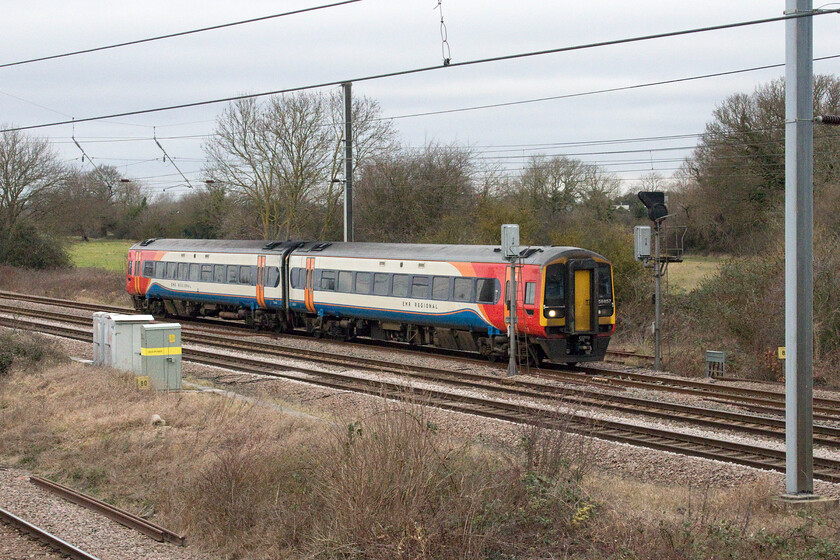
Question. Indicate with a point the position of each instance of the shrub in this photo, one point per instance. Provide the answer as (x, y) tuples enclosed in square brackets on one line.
[(27, 349), (27, 247)]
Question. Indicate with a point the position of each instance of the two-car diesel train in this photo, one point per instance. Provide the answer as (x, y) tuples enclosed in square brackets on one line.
[(448, 296)]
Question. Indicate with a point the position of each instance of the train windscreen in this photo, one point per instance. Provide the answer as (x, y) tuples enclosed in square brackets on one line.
[(555, 289)]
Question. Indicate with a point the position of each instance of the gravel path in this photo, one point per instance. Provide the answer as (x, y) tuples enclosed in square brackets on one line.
[(89, 531)]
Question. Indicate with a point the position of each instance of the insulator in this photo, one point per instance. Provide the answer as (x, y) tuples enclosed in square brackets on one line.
[(833, 120)]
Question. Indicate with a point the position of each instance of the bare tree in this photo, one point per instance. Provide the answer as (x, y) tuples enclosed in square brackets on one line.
[(29, 169), (426, 196), (285, 155)]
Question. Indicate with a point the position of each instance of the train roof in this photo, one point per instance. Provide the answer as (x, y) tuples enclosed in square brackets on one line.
[(409, 251), (434, 252), (207, 245)]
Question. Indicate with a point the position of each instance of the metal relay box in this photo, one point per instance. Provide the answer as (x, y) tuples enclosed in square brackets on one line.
[(122, 341), (641, 242), (160, 350)]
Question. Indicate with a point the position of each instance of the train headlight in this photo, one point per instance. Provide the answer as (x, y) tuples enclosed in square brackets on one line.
[(552, 313)]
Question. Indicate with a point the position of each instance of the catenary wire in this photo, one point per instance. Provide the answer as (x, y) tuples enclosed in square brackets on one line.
[(177, 34), (384, 75)]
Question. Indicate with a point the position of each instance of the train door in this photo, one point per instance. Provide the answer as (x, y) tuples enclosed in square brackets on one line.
[(309, 285), (261, 281), (583, 283)]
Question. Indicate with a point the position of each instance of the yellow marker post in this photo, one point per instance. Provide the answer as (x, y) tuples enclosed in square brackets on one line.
[(781, 352)]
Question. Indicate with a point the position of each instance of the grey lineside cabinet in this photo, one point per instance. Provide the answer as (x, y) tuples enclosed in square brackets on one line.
[(160, 350), (152, 352)]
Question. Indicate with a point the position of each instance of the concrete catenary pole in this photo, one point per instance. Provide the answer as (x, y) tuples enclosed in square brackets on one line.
[(799, 234), (348, 162)]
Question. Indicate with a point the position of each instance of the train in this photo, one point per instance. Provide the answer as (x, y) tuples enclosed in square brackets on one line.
[(446, 296)]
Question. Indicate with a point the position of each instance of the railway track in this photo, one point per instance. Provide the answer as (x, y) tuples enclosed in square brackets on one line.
[(44, 536), (518, 412), (648, 407), (759, 400), (122, 517)]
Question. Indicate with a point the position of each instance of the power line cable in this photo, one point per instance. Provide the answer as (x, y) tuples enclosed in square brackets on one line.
[(178, 34), (594, 92), (335, 83)]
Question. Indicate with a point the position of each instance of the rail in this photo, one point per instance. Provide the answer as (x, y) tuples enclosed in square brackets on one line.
[(44, 536)]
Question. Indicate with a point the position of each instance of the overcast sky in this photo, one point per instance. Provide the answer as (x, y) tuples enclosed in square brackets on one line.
[(379, 36)]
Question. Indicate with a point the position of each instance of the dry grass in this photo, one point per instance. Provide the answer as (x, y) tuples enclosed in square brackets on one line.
[(250, 482), (689, 274), (80, 284)]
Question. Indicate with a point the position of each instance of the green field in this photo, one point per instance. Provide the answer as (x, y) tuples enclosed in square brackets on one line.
[(109, 254), (687, 275)]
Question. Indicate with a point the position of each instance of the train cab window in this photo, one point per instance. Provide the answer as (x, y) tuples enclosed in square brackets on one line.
[(345, 281), (148, 269), (195, 272), (160, 269), (604, 282), (362, 283), (219, 273), (400, 285), (183, 271), (232, 274), (555, 293), (327, 281), (245, 275), (485, 290), (440, 287), (207, 273), (171, 270), (530, 292), (272, 278), (380, 283), (463, 289), (420, 287)]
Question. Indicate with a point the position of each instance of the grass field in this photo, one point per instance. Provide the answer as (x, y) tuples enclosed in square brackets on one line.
[(109, 254), (687, 275)]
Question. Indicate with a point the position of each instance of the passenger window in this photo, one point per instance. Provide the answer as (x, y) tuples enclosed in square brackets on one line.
[(160, 270), (400, 287), (530, 290), (245, 275), (293, 278), (219, 273), (345, 281), (183, 271), (463, 289), (362, 283), (485, 289), (207, 273), (195, 272), (232, 274), (327, 280), (380, 284), (420, 287), (171, 270), (440, 287), (148, 269), (272, 277)]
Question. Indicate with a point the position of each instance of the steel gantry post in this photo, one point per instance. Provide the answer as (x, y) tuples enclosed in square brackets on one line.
[(799, 234), (348, 162)]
